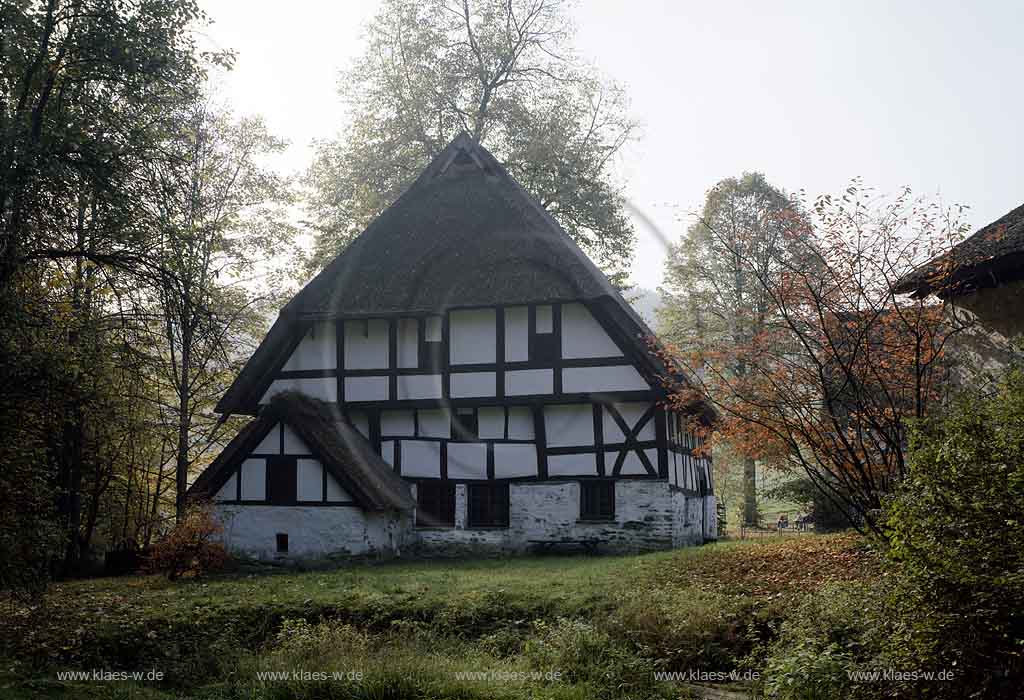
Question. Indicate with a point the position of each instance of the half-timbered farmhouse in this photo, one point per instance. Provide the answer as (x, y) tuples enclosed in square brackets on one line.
[(461, 378)]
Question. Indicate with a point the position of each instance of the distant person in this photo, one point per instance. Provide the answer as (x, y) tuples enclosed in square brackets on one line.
[(783, 522)]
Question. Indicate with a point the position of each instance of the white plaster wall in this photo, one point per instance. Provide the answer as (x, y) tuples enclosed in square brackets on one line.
[(397, 423), (570, 425), (366, 344), (491, 422), (323, 388), (544, 319), (514, 460), (309, 477), (472, 336), (366, 388), (631, 413), (632, 463), (419, 386), (523, 382), (517, 334), (313, 531), (293, 444), (435, 422), (609, 378), (254, 480), (316, 350), (520, 423), (421, 458), (466, 460), (469, 384), (572, 465), (583, 336), (408, 343), (271, 444)]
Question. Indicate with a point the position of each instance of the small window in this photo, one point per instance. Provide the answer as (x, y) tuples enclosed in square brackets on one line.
[(282, 543), (544, 340), (544, 322), (465, 425), (435, 504), (432, 329), (282, 480), (488, 505), (597, 500)]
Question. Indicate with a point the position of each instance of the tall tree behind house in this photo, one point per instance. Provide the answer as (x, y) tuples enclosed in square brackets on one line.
[(713, 299), (841, 365), (505, 73), (218, 212)]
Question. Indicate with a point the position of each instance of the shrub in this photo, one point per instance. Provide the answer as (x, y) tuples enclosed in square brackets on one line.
[(691, 628), (834, 631), (191, 547), (957, 545), (586, 654), (826, 515)]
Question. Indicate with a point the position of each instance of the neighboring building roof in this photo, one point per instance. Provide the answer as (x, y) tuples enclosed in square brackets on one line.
[(465, 233), (344, 452), (994, 255)]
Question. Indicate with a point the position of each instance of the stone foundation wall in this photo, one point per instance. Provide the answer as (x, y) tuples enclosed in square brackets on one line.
[(648, 516), (312, 531)]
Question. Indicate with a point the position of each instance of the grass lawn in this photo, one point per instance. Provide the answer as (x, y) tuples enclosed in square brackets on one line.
[(605, 623)]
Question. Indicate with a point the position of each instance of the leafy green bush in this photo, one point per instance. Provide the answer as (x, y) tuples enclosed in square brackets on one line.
[(825, 514), (834, 632), (957, 545)]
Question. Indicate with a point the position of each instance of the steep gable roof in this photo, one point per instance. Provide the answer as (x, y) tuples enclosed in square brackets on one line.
[(344, 452), (993, 255), (465, 233)]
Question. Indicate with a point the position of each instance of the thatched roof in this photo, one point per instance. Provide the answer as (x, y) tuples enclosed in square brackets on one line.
[(344, 452), (992, 256), (465, 233)]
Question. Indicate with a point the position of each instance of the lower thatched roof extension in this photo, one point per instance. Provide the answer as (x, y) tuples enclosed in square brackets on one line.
[(992, 256), (345, 453)]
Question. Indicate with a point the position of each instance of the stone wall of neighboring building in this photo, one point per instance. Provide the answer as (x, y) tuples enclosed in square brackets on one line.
[(995, 337)]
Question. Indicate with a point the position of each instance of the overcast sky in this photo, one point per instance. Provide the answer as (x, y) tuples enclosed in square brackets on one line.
[(926, 94)]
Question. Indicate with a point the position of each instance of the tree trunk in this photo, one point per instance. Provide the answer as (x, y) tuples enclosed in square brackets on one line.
[(749, 491), (184, 423)]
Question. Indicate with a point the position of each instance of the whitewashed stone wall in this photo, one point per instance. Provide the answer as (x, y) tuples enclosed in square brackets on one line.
[(648, 516), (312, 531)]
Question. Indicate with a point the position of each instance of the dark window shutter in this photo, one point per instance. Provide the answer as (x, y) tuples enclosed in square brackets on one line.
[(465, 425), (488, 505), (435, 504), (597, 500), (282, 481)]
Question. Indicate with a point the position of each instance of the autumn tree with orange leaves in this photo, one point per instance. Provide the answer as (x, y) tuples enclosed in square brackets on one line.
[(840, 363)]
